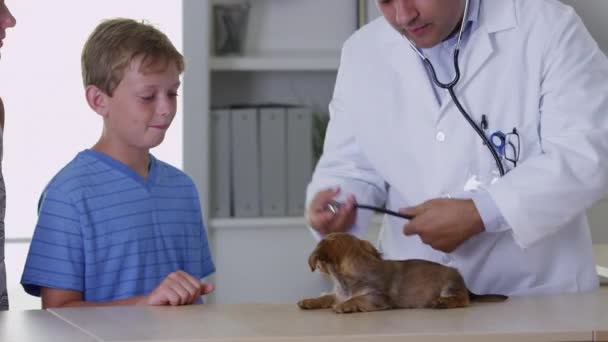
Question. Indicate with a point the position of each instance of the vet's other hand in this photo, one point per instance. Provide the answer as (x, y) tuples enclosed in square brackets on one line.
[(178, 288), (323, 220), (444, 224)]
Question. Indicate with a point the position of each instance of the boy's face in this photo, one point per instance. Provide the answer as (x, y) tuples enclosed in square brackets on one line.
[(142, 106), (6, 20), (424, 22)]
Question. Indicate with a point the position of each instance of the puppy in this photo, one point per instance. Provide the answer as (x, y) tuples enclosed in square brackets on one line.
[(363, 281)]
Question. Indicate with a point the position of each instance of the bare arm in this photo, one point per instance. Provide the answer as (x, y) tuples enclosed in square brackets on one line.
[(179, 288)]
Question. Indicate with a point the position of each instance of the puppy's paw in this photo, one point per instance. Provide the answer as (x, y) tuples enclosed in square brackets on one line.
[(308, 304), (346, 307), (323, 302), (449, 303)]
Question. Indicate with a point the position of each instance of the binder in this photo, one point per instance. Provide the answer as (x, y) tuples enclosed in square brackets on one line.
[(245, 162), (273, 160), (221, 197), (299, 157)]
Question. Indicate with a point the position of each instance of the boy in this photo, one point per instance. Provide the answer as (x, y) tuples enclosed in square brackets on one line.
[(117, 226), (6, 20)]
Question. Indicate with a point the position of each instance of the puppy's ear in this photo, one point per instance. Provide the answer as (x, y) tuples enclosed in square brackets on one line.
[(318, 255), (369, 249), (313, 259)]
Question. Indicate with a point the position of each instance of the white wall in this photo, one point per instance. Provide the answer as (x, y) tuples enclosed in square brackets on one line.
[(47, 119)]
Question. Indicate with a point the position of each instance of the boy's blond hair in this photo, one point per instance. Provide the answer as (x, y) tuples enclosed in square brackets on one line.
[(114, 44)]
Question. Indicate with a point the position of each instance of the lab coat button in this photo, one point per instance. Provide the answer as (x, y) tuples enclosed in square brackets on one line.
[(446, 259), (440, 136)]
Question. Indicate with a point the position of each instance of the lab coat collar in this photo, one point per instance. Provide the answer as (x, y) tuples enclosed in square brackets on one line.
[(410, 68), (495, 16)]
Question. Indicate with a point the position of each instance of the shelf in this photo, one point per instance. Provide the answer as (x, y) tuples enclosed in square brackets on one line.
[(270, 222), (257, 222), (279, 61)]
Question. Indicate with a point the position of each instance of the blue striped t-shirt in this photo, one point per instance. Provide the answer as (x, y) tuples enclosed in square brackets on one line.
[(109, 233)]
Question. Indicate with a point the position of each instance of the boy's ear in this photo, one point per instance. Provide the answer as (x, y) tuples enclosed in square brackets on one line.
[(97, 100)]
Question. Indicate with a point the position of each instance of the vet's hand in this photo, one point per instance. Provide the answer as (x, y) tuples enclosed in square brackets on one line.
[(444, 224), (178, 288), (323, 220)]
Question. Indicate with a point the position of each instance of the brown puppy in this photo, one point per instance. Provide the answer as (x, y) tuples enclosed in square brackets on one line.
[(363, 281)]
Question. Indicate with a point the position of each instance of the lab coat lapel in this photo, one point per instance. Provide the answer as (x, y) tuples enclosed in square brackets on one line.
[(495, 16), (479, 50), (417, 86), (472, 58)]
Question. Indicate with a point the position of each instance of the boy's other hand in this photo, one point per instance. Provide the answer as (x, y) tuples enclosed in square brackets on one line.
[(178, 288)]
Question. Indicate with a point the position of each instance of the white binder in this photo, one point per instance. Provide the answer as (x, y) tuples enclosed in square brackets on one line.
[(299, 157), (273, 160), (245, 162), (221, 193)]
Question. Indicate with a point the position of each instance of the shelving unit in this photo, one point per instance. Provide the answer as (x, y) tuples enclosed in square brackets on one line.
[(285, 60), (291, 56)]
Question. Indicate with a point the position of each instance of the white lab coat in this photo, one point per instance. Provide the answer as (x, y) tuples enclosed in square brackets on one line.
[(531, 64)]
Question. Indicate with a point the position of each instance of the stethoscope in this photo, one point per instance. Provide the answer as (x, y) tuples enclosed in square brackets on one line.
[(450, 87)]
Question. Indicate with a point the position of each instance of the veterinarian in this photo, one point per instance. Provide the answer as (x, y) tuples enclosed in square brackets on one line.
[(532, 81), (6, 20)]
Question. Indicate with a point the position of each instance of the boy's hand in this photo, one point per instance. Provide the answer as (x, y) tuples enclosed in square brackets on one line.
[(179, 288)]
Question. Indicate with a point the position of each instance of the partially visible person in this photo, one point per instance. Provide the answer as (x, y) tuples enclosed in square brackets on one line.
[(6, 20), (117, 226), (499, 193)]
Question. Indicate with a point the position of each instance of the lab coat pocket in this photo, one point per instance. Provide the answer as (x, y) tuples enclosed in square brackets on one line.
[(530, 142), (512, 144)]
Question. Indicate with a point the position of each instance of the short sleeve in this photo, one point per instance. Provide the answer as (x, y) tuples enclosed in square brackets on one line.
[(56, 255), (207, 265)]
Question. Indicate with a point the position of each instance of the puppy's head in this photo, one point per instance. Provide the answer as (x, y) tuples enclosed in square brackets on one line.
[(340, 249)]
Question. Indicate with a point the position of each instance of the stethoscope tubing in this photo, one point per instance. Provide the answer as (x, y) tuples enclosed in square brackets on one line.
[(450, 88), (467, 117), (384, 211)]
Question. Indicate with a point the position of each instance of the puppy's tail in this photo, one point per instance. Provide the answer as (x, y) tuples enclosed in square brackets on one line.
[(487, 298)]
